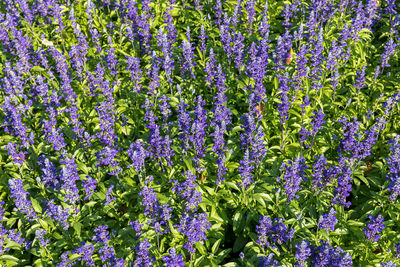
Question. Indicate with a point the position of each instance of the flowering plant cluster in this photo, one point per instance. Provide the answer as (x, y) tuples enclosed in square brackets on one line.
[(199, 133)]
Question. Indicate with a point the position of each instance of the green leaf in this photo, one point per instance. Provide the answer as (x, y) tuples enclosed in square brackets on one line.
[(43, 224), (12, 245), (215, 247), (38, 69), (230, 264), (223, 254), (238, 221), (9, 259), (78, 228), (239, 244), (355, 223), (36, 206), (39, 262), (201, 248)]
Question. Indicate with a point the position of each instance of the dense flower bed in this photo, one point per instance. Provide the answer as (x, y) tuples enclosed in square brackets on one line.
[(199, 133)]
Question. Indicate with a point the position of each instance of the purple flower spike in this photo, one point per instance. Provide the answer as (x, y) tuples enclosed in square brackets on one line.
[(173, 259), (328, 220), (303, 253), (374, 227), (393, 162)]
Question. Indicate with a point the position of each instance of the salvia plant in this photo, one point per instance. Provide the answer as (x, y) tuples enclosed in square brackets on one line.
[(199, 133)]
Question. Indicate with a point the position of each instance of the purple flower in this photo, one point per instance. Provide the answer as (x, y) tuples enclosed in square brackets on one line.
[(184, 122), (188, 54), (299, 33), (257, 70), (397, 250), (317, 121), (106, 110), (303, 253), (388, 264), (20, 196), (78, 53), (17, 157), (102, 238), (218, 12), (317, 58), (3, 232), (252, 138), (90, 186), (349, 130), (288, 12), (154, 73), (15, 236), (137, 227), (86, 252), (374, 227), (165, 109), (238, 49), (263, 27), (293, 175), (393, 162), (210, 70), (149, 200), (109, 197), (135, 72), (202, 38), (2, 211), (40, 236), (250, 8), (326, 255), (167, 51), (69, 176), (220, 121), (283, 47), (280, 234), (187, 190), (343, 188), (301, 67), (390, 48), (304, 134), (263, 230), (49, 177), (268, 261), (259, 150), (358, 21), (198, 134), (221, 169), (13, 121), (275, 231), (106, 157), (158, 214), (194, 227), (249, 126), (328, 220), (246, 168), (52, 133), (352, 141), (284, 88), (138, 155), (345, 35), (142, 250), (333, 55), (65, 261), (391, 7), (58, 214), (173, 259), (111, 59), (360, 79)]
